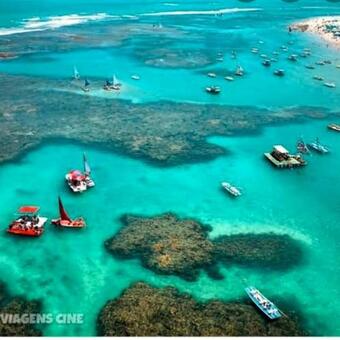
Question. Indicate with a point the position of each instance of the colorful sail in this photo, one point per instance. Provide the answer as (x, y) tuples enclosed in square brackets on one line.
[(87, 168), (62, 212)]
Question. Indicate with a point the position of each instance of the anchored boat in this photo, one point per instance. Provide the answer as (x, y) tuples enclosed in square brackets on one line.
[(318, 147), (302, 147), (78, 181), (266, 306), (76, 75), (29, 223), (279, 73), (239, 71), (334, 127), (86, 87), (213, 89), (231, 189), (65, 221)]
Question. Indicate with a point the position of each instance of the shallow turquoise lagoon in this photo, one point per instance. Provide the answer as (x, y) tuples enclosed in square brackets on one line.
[(71, 272)]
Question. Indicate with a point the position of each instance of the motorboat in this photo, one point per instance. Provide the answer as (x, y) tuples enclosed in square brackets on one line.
[(279, 72), (263, 304), (29, 223), (318, 147), (213, 89), (266, 63), (334, 127), (229, 78), (331, 85), (232, 190)]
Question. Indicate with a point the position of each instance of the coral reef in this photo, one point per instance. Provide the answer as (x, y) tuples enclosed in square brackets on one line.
[(163, 133), (169, 245), (264, 250), (20, 306), (143, 310), (164, 244)]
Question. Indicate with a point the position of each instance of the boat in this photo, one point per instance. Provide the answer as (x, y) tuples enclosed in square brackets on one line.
[(29, 223), (232, 190), (281, 158), (279, 72), (331, 85), (334, 127), (233, 55), (264, 56), (310, 67), (318, 78), (276, 53), (302, 147), (316, 146), (135, 77), (320, 63), (213, 89), (86, 87), (328, 62), (87, 173), (239, 71), (76, 75), (265, 306), (254, 50), (76, 181), (266, 63), (116, 86), (107, 86), (229, 78), (65, 221), (211, 75), (292, 57), (220, 59)]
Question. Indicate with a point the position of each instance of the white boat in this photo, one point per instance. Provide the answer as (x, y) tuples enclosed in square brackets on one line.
[(76, 181), (318, 78), (254, 50), (229, 78), (115, 84), (331, 85), (231, 189), (76, 74), (239, 71), (265, 305), (87, 173), (135, 77), (211, 75), (316, 146)]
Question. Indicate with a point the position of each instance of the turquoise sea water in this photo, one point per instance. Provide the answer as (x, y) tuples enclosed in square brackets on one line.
[(71, 272)]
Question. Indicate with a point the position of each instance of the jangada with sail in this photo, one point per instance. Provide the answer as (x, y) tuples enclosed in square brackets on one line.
[(65, 221), (80, 181)]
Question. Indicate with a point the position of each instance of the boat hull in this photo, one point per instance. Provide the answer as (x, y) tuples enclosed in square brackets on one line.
[(75, 224)]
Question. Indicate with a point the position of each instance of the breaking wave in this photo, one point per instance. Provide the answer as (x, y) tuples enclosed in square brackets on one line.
[(53, 22), (207, 12)]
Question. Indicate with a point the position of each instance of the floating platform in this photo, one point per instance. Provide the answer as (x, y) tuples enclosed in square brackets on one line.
[(281, 158)]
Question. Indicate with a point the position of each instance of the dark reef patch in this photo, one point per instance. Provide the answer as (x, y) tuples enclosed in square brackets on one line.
[(17, 306), (143, 310), (169, 245), (165, 244), (264, 250), (163, 133)]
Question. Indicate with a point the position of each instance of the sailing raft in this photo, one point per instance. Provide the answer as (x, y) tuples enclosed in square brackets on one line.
[(64, 219)]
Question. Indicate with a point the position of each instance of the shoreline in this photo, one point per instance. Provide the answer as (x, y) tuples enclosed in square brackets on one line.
[(326, 27)]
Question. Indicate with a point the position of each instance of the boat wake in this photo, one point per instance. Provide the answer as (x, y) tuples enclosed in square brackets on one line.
[(207, 12), (52, 22)]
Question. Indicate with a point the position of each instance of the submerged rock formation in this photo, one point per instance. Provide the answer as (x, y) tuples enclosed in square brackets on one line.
[(17, 306), (143, 310), (165, 244), (263, 250), (163, 133), (169, 245)]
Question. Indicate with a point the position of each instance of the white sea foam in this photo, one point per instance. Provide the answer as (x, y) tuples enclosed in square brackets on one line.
[(207, 12), (39, 24)]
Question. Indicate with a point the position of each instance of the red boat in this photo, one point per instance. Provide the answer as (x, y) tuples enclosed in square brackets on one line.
[(29, 223), (65, 221)]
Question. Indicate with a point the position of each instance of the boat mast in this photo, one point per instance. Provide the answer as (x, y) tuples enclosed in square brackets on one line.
[(87, 168), (62, 212)]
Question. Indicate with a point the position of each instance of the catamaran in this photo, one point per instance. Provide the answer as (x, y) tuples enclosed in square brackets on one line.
[(279, 72), (78, 181), (65, 221), (29, 223), (266, 306), (213, 89), (239, 71), (302, 147), (331, 85), (116, 85), (86, 87), (76, 75), (316, 146), (231, 189)]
